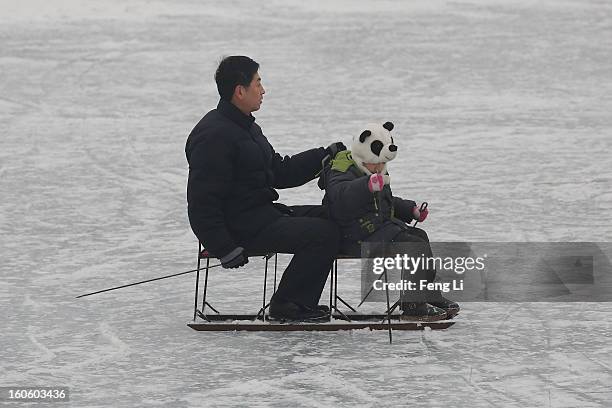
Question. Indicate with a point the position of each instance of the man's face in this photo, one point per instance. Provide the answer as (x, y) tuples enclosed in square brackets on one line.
[(251, 97)]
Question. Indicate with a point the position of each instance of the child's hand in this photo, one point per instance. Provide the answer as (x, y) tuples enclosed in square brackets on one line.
[(377, 182), (418, 215)]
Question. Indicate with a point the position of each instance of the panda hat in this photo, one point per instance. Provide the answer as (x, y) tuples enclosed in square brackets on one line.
[(374, 145)]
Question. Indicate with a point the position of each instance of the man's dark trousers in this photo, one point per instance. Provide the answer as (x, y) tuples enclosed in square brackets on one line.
[(307, 233)]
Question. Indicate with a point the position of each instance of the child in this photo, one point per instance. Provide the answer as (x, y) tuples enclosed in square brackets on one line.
[(360, 201)]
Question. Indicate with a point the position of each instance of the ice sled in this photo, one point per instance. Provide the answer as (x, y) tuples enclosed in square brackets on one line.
[(339, 320)]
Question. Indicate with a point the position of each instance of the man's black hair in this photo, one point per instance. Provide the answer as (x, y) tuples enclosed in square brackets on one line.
[(233, 71)]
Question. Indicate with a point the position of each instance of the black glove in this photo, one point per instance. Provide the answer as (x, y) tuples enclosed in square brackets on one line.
[(334, 148), (234, 259)]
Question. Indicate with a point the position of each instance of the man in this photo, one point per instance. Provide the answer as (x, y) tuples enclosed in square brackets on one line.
[(233, 171)]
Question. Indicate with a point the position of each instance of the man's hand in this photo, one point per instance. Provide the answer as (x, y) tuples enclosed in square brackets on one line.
[(419, 215), (334, 148), (234, 259)]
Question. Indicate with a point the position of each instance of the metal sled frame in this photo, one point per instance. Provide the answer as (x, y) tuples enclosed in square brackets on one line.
[(203, 254), (336, 313)]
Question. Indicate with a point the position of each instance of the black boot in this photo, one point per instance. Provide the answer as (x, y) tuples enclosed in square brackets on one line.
[(451, 308), (323, 308), (421, 312), (291, 311)]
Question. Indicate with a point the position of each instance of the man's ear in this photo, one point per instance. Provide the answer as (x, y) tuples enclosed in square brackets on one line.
[(239, 92)]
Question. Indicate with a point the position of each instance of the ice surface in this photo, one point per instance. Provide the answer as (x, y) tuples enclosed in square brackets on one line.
[(502, 115)]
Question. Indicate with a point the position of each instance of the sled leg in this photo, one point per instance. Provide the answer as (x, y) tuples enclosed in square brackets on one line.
[(335, 271), (275, 264), (264, 306), (331, 292), (202, 313), (334, 297), (195, 302)]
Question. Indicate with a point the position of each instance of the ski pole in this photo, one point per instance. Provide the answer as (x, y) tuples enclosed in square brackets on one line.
[(144, 281)]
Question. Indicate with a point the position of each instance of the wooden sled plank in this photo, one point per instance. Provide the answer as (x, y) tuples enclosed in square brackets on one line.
[(336, 316), (334, 325), (369, 317)]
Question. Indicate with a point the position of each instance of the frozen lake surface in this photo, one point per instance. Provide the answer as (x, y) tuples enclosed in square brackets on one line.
[(502, 115)]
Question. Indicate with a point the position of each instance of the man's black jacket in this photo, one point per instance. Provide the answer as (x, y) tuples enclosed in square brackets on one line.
[(233, 171)]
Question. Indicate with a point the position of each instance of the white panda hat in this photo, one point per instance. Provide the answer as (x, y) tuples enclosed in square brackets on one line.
[(374, 145)]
